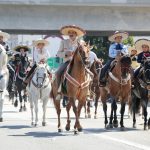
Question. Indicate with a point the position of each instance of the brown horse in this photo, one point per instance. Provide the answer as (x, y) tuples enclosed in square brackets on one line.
[(77, 79), (119, 87), (94, 88)]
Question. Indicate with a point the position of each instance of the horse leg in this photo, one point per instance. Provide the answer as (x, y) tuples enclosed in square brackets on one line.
[(111, 115), (115, 122), (31, 106), (75, 110), (16, 101), (149, 123), (1, 106), (68, 116), (58, 109), (105, 113), (36, 111), (96, 105), (144, 105), (20, 99), (25, 100), (85, 110), (44, 111), (122, 115), (88, 109)]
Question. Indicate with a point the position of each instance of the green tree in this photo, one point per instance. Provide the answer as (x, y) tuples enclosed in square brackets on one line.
[(129, 41), (100, 45)]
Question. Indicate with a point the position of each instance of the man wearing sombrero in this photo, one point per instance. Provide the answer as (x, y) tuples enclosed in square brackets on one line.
[(68, 46), (142, 46), (117, 46), (133, 54), (40, 55), (3, 38)]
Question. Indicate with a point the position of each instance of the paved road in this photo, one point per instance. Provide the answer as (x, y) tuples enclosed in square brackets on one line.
[(16, 133)]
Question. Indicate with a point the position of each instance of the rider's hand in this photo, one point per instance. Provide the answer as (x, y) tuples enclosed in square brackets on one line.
[(68, 53)]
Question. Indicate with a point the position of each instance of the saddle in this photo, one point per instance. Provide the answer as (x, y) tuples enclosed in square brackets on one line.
[(112, 65)]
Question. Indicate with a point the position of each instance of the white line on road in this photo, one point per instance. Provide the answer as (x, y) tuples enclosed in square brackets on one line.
[(133, 144)]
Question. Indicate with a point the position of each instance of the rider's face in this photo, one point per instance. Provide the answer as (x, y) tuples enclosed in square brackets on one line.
[(118, 39), (22, 51), (72, 35), (40, 45), (145, 48), (133, 52), (1, 38)]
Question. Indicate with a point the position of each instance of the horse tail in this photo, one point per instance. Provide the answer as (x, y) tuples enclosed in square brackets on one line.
[(134, 104)]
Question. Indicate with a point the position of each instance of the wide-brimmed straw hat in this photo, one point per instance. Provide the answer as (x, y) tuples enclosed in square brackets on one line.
[(140, 42), (17, 48), (45, 42), (5, 35), (132, 48), (124, 36), (80, 32)]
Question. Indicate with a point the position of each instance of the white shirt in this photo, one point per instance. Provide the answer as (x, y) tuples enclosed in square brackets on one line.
[(39, 56), (92, 57)]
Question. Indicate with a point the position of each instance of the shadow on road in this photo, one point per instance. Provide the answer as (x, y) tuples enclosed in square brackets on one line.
[(40, 134), (15, 126)]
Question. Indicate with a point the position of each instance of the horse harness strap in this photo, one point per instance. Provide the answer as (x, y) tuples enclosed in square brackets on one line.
[(123, 81)]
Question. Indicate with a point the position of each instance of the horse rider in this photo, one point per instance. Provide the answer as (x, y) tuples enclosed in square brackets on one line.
[(92, 57), (117, 46), (67, 47), (133, 54), (143, 46), (40, 55), (3, 38)]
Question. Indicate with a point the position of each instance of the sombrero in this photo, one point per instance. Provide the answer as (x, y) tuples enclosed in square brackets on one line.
[(80, 32), (131, 48), (140, 42), (45, 42), (124, 36), (17, 48), (5, 35)]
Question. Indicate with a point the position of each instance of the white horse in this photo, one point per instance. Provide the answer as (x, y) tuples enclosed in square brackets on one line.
[(4, 75), (39, 88)]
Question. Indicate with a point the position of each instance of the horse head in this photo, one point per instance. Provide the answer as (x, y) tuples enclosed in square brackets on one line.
[(40, 74), (81, 54), (125, 62), (146, 71), (96, 66)]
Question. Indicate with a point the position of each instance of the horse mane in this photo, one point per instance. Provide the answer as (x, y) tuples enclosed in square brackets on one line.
[(125, 59)]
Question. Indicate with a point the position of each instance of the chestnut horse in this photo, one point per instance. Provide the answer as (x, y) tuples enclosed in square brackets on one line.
[(76, 80), (119, 87), (94, 88)]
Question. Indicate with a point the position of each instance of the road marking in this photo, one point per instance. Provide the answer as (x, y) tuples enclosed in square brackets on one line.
[(133, 144)]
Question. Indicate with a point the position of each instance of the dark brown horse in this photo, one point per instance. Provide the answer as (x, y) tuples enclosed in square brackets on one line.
[(77, 80), (119, 87), (94, 88)]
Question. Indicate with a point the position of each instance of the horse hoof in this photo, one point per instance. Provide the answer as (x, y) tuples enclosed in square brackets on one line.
[(24, 108), (43, 123), (75, 132), (95, 117), (16, 104), (32, 123), (148, 126), (35, 124), (1, 119), (86, 116), (122, 128), (59, 130), (80, 129), (134, 126), (20, 110), (67, 128), (145, 127), (89, 115), (115, 124), (109, 126)]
